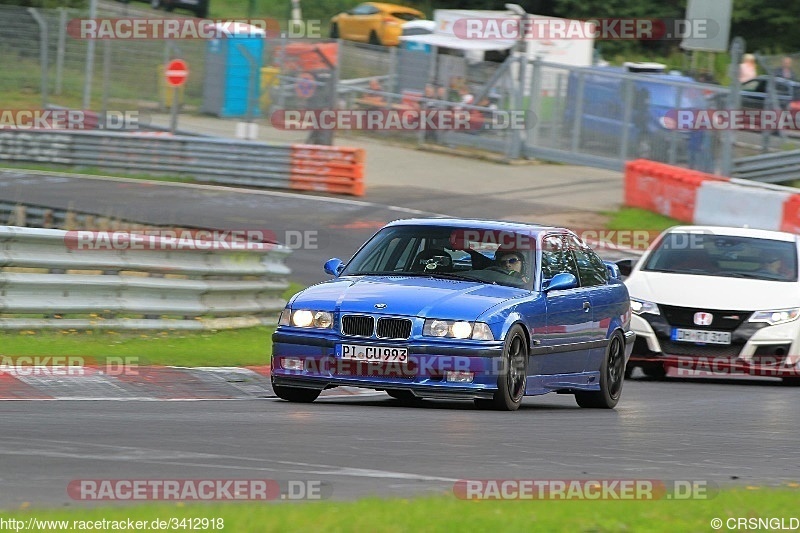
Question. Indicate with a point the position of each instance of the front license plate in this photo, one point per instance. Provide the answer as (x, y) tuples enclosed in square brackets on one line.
[(377, 354), (697, 335)]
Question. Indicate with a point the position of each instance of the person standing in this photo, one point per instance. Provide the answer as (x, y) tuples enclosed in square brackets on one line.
[(747, 68)]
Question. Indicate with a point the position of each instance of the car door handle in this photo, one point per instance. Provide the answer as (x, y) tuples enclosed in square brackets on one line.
[(586, 307)]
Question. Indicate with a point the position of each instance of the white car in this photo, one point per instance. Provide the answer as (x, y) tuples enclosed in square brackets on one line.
[(717, 299)]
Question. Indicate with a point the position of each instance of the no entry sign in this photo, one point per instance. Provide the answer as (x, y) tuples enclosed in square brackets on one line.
[(177, 72)]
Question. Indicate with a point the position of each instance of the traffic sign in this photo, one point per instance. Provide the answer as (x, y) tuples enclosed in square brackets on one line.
[(177, 72), (305, 85)]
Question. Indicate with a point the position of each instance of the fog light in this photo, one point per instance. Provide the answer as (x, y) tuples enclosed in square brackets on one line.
[(292, 363), (460, 376)]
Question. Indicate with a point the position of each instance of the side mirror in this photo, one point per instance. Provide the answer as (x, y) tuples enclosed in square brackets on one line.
[(625, 266), (334, 267), (613, 270), (561, 282)]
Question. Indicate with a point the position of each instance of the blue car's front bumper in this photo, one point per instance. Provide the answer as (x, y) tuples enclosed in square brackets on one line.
[(425, 372)]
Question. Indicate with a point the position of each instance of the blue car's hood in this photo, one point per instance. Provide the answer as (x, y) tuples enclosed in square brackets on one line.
[(406, 296)]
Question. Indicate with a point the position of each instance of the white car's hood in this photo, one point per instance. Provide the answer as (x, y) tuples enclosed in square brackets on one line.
[(713, 292)]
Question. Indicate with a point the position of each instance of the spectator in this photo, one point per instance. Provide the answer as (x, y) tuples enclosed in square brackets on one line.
[(785, 70), (747, 68)]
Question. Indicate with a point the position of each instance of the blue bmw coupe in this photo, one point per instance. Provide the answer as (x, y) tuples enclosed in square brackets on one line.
[(460, 309)]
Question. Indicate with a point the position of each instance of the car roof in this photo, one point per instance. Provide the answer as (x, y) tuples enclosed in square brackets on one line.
[(474, 223), (777, 78), (731, 231)]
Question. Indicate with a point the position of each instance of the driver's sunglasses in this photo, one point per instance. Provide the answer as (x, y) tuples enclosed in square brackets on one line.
[(510, 261)]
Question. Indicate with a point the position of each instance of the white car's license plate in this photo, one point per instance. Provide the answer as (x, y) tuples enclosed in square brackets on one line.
[(376, 354), (697, 335)]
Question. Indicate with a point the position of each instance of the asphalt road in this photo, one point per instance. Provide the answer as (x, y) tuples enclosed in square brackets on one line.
[(374, 446)]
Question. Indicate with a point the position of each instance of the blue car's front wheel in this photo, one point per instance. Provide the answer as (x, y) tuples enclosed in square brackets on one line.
[(513, 370)]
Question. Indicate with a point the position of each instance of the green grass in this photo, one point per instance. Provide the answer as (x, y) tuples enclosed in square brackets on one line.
[(633, 218), (446, 514), (238, 347), (96, 171)]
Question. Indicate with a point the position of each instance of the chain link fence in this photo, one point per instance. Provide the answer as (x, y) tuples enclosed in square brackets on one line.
[(81, 73)]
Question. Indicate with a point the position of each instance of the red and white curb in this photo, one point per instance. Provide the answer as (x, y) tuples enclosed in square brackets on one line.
[(153, 383)]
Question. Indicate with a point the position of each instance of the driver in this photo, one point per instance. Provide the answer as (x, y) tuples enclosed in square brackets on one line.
[(512, 262)]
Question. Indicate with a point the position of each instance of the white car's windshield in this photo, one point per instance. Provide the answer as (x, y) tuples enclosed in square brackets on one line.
[(722, 255), (486, 256)]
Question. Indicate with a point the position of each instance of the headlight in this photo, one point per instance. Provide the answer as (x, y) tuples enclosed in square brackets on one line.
[(457, 329), (303, 318), (643, 306), (778, 316)]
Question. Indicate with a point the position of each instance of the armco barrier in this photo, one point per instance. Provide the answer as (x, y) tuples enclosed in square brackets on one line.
[(43, 271), (227, 161), (699, 198)]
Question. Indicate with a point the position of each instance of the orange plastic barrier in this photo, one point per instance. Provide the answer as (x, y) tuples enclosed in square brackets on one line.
[(791, 214), (661, 188), (307, 56), (332, 169)]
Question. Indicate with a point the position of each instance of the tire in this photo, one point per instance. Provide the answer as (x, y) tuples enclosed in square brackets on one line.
[(655, 371), (296, 394), (402, 395), (373, 38), (612, 377), (513, 373), (334, 31)]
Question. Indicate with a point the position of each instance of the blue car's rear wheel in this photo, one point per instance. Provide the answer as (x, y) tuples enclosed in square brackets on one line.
[(296, 394), (513, 369), (612, 376)]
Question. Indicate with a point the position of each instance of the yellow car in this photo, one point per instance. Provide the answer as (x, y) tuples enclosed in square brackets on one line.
[(373, 23)]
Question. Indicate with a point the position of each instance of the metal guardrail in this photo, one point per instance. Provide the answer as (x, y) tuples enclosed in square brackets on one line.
[(769, 168), (214, 160), (162, 288)]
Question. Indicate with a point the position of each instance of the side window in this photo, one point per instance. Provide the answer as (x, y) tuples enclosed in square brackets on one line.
[(556, 257), (591, 269)]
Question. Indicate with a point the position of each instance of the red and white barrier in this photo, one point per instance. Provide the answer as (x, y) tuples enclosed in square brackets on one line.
[(700, 198)]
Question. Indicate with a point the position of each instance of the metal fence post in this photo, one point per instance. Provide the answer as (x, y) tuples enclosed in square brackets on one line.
[(42, 50), (627, 118), (106, 73), (535, 102), (62, 42), (87, 82), (519, 103), (733, 102), (575, 142)]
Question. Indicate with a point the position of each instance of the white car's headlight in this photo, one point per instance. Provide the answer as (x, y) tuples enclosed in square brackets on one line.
[(777, 316), (457, 329), (643, 306), (303, 318)]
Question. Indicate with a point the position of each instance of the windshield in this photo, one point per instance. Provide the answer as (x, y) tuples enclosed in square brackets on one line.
[(729, 256), (479, 255)]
